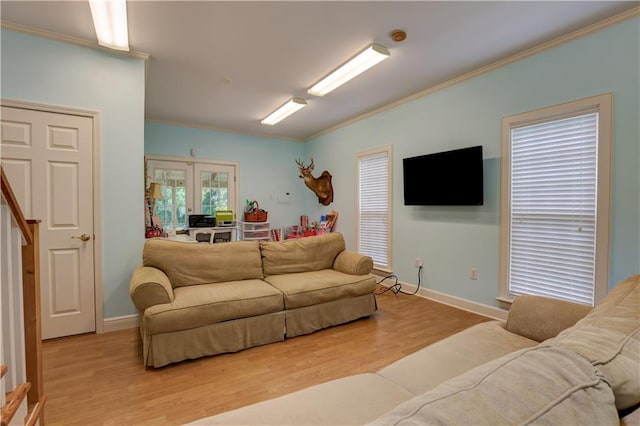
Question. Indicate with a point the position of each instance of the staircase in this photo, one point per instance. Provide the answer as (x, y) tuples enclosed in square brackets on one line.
[(21, 346), (13, 400)]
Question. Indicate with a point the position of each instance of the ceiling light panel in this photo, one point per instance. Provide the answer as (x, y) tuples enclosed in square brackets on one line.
[(293, 105), (364, 60), (110, 22)]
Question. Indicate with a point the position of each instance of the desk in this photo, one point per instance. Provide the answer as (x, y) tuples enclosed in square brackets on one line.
[(181, 237)]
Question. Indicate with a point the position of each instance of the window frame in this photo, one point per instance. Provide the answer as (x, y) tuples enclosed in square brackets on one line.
[(193, 165), (603, 105), (388, 151)]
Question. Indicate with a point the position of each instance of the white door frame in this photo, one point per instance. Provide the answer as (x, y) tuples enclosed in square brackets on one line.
[(95, 116), (193, 160)]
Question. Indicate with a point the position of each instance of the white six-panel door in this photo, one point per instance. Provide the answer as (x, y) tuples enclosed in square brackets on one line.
[(47, 158)]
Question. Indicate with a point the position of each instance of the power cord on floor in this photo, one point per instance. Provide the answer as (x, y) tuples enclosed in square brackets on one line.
[(396, 287)]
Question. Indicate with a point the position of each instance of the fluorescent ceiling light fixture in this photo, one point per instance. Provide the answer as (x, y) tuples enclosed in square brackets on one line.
[(284, 111), (110, 22), (359, 64)]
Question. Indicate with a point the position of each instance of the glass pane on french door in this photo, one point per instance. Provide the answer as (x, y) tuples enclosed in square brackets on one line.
[(215, 188), (175, 179)]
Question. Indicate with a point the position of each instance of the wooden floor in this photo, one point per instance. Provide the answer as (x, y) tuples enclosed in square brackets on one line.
[(99, 379)]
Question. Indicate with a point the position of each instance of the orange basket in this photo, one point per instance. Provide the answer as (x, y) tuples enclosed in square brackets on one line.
[(255, 214)]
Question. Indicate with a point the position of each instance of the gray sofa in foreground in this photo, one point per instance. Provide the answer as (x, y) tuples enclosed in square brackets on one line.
[(552, 362)]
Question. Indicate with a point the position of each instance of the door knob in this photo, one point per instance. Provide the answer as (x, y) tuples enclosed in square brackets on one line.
[(83, 237)]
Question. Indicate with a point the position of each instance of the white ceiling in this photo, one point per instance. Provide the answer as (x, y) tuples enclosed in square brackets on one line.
[(227, 65)]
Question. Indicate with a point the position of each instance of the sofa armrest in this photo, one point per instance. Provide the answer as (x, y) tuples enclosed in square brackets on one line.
[(353, 263), (541, 318), (149, 286)]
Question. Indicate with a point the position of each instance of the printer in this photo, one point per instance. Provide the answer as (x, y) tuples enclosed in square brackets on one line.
[(224, 217), (201, 221)]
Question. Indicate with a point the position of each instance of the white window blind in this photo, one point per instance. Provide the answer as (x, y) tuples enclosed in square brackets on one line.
[(553, 208), (374, 207)]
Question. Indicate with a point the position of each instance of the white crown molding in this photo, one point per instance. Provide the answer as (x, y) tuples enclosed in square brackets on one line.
[(605, 23), (70, 39)]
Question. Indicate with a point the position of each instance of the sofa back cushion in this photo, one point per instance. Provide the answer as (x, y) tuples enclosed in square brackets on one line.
[(192, 264), (609, 337), (532, 386), (301, 255)]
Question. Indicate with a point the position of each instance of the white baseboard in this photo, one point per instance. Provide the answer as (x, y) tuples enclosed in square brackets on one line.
[(458, 302), (120, 323), (464, 304)]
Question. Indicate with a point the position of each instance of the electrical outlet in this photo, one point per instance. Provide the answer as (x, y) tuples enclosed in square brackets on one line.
[(418, 262), (474, 274)]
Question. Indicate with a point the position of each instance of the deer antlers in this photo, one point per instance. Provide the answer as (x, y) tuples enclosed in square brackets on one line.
[(301, 164)]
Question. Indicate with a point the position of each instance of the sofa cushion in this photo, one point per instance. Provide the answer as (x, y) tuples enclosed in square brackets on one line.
[(541, 318), (352, 400), (454, 355), (312, 288), (191, 264), (541, 385), (609, 337), (301, 255), (196, 306)]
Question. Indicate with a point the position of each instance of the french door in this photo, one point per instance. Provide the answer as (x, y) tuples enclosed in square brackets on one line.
[(191, 187)]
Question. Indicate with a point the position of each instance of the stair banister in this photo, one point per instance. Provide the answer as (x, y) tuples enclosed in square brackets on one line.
[(22, 337)]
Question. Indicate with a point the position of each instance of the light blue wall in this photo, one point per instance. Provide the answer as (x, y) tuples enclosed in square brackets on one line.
[(266, 166), (49, 72), (451, 240)]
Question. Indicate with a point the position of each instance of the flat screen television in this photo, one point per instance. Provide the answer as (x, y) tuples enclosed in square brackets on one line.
[(450, 178)]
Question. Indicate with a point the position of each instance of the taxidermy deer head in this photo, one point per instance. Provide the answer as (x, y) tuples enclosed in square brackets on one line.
[(321, 186)]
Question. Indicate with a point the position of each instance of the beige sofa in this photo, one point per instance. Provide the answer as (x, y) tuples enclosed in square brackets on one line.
[(204, 299), (495, 373)]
